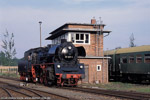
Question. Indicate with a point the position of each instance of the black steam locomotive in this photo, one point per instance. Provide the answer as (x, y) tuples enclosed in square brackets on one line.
[(53, 64)]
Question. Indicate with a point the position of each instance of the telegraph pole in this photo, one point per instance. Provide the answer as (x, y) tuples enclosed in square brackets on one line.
[(40, 22)]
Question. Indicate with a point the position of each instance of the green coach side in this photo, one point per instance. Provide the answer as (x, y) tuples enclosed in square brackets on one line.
[(130, 63)]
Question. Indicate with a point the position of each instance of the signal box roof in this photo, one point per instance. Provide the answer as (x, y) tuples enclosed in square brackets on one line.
[(64, 28), (128, 50)]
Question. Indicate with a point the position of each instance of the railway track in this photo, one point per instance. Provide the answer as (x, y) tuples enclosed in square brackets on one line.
[(112, 93), (16, 92), (11, 78), (119, 94), (9, 94)]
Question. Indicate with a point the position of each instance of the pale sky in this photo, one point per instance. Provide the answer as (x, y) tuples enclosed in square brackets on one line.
[(122, 17)]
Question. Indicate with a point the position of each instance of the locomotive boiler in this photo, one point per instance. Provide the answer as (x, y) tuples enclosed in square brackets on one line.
[(53, 64)]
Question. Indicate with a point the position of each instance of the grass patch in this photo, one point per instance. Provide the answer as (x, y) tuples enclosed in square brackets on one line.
[(14, 75), (121, 86)]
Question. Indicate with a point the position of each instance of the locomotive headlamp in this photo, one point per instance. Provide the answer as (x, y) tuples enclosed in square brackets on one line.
[(36, 79), (26, 78), (69, 47), (58, 66), (81, 66)]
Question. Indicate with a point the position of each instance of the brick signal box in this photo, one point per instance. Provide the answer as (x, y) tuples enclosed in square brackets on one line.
[(90, 36)]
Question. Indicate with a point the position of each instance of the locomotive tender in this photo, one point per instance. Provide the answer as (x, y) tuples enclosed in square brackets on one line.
[(53, 65), (129, 64)]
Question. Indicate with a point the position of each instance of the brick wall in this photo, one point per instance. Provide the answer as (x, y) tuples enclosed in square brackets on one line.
[(95, 48), (94, 75), (81, 26)]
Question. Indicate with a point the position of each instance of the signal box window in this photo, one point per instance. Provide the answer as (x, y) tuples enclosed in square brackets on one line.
[(138, 59), (79, 38), (86, 38), (147, 58), (131, 59), (124, 59)]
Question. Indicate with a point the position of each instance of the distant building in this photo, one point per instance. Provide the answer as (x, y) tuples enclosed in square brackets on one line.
[(90, 36)]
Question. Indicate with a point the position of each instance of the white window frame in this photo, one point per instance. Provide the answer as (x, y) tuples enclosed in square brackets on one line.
[(67, 36), (99, 69), (74, 33)]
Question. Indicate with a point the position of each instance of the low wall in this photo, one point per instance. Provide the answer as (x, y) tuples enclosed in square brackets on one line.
[(8, 69)]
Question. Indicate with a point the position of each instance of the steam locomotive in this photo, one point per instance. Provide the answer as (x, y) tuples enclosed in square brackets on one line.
[(53, 65)]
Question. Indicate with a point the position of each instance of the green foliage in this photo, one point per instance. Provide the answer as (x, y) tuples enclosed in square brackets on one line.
[(8, 45), (7, 56), (4, 60), (14, 75)]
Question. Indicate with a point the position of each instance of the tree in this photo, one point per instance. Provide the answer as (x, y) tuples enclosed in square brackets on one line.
[(9, 47), (118, 47), (132, 41), (3, 60)]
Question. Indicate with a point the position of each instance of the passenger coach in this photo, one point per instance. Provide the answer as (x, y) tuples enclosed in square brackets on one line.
[(129, 63)]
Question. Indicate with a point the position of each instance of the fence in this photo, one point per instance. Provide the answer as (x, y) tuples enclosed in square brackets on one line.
[(9, 69)]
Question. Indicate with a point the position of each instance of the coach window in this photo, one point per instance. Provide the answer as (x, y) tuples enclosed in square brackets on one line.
[(147, 58), (131, 59), (124, 59), (139, 59)]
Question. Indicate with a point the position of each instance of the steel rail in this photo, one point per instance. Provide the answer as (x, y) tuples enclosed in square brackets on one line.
[(26, 93), (19, 92), (11, 78), (27, 88), (7, 92), (68, 98), (33, 92), (125, 92), (120, 94), (22, 92)]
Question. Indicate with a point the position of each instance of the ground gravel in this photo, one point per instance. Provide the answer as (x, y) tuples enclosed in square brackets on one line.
[(68, 93)]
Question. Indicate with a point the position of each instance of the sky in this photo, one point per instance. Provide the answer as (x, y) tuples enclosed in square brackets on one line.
[(122, 17)]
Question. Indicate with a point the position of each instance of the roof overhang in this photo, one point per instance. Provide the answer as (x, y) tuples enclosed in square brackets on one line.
[(82, 24), (63, 31)]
